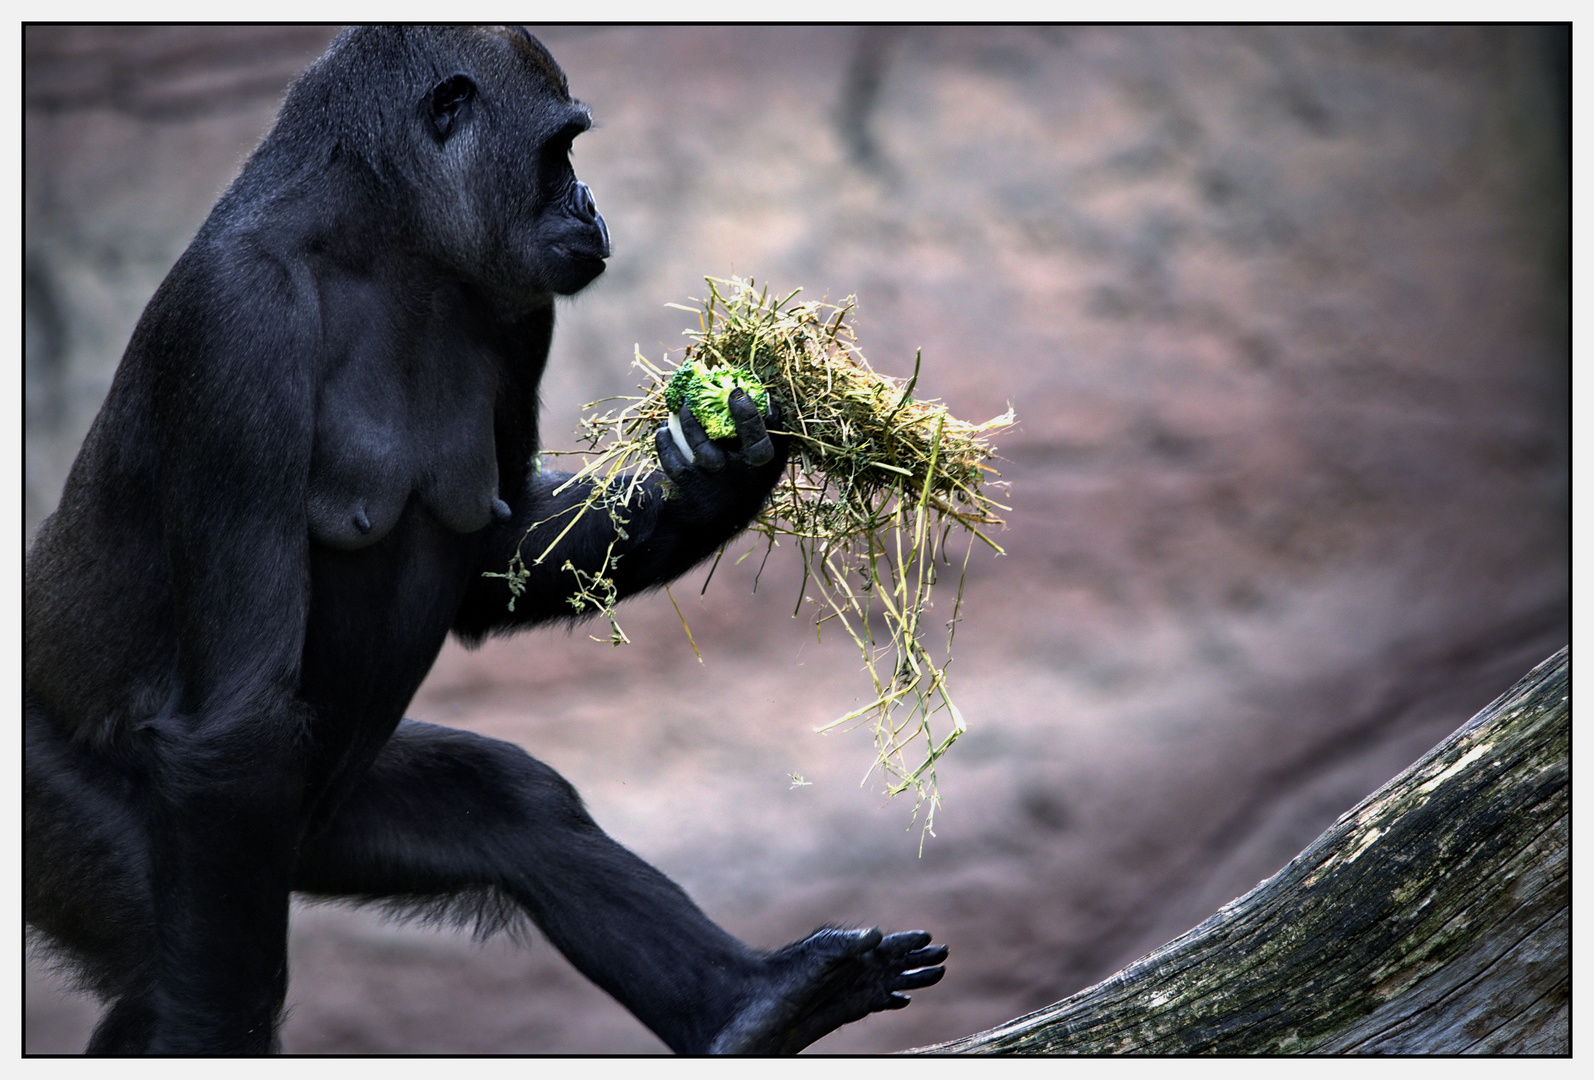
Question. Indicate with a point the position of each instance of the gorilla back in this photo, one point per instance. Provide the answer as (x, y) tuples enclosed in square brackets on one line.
[(317, 441)]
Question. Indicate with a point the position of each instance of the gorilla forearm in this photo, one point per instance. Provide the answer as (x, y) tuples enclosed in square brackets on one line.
[(658, 537)]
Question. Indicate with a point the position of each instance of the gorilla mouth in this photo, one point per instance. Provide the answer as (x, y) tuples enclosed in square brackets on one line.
[(572, 269), (579, 256)]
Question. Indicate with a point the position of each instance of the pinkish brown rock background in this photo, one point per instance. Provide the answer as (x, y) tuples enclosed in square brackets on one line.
[(1284, 313)]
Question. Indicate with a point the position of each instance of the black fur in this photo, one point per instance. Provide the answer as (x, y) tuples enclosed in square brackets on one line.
[(317, 441)]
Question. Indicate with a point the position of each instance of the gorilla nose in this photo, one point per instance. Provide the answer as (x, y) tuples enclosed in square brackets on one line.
[(585, 207)]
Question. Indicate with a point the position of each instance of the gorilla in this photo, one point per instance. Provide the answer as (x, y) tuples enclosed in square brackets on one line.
[(320, 437)]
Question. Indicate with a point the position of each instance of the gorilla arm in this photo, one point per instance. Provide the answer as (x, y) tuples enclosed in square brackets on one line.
[(231, 400), (664, 533)]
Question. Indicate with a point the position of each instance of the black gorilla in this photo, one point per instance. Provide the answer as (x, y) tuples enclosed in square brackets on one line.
[(319, 438)]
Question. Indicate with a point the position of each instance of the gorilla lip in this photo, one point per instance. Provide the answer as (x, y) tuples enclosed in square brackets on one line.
[(581, 256)]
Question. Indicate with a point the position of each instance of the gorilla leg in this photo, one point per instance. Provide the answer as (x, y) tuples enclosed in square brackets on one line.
[(447, 814), (95, 845), (444, 813), (85, 861)]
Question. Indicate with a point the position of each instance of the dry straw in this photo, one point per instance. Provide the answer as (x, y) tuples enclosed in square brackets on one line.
[(879, 486)]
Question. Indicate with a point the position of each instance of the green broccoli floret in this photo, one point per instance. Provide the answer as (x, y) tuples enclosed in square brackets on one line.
[(708, 392), (675, 393)]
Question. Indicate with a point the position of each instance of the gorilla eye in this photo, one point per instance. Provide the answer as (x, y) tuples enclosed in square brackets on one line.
[(448, 100), (561, 141)]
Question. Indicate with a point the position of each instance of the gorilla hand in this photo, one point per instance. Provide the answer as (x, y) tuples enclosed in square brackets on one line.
[(717, 487), (722, 484), (683, 442)]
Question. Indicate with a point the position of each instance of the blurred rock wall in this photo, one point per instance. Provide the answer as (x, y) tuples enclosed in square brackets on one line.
[(1285, 316)]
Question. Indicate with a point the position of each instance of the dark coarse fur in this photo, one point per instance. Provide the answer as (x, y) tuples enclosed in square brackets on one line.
[(316, 443)]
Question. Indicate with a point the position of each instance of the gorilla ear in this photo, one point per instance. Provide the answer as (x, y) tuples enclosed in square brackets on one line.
[(448, 100)]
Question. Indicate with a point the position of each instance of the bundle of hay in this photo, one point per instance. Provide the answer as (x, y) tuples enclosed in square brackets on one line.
[(879, 486)]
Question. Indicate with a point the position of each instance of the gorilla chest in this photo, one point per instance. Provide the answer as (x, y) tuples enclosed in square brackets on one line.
[(379, 616), (387, 431)]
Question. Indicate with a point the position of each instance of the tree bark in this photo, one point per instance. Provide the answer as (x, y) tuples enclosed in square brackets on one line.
[(1433, 918)]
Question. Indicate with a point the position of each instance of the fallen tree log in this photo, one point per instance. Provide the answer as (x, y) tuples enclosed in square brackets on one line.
[(1433, 918)]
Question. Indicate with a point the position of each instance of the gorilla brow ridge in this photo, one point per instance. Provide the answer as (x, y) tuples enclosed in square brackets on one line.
[(532, 49)]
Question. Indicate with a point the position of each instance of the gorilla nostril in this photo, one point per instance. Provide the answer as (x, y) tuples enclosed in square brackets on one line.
[(582, 202)]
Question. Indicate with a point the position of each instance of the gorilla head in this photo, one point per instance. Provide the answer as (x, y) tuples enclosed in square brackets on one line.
[(459, 140)]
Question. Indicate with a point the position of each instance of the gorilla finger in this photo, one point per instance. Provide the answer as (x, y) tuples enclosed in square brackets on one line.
[(744, 414), (761, 452), (706, 455), (897, 1001), (757, 447), (924, 958), (916, 980), (904, 943), (671, 459)]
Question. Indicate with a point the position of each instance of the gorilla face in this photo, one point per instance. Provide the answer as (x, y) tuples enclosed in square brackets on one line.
[(568, 240), (506, 205)]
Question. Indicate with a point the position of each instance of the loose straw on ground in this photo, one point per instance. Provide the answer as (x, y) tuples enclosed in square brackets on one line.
[(878, 487)]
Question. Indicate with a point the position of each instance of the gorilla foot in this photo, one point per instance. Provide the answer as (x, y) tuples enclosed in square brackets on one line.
[(830, 978)]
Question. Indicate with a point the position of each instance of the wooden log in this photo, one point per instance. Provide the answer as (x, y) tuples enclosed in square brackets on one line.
[(1433, 918)]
